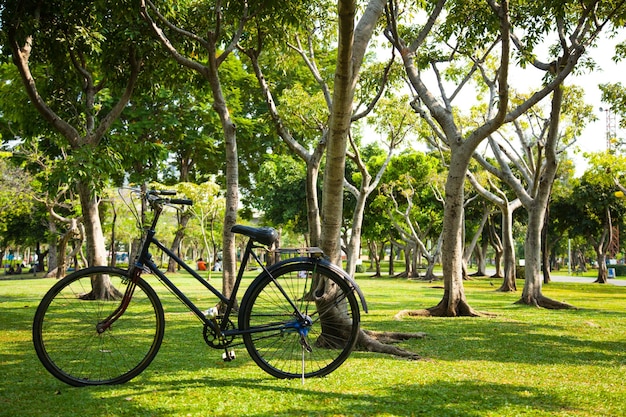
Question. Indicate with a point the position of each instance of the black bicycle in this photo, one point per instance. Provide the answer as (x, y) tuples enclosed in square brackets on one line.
[(299, 318)]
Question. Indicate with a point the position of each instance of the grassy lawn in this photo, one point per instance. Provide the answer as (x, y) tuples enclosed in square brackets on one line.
[(522, 362)]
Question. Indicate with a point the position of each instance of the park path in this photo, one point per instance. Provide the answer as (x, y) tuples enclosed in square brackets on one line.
[(574, 278), (571, 278)]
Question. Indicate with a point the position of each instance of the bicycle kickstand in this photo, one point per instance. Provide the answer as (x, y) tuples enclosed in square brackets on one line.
[(228, 355)]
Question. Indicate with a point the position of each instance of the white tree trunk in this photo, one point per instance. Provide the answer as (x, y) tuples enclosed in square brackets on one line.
[(96, 249), (508, 246), (454, 302)]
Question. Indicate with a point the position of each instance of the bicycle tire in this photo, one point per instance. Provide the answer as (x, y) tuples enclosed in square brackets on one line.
[(65, 336), (278, 342)]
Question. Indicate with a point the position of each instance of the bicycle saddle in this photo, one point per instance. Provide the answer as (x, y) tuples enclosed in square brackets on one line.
[(264, 235)]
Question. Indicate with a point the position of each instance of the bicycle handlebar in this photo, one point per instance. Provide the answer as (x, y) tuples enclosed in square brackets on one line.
[(154, 196), (162, 192), (181, 201)]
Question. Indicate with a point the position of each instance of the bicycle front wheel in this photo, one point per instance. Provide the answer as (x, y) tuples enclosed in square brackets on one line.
[(300, 321), (66, 337)]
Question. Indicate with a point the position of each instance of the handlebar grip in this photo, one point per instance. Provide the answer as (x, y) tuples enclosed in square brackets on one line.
[(166, 192), (181, 201)]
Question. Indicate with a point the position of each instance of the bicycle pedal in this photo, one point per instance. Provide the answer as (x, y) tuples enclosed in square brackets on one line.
[(229, 356)]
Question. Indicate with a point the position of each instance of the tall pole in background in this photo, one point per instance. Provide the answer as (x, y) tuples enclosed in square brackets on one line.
[(611, 128)]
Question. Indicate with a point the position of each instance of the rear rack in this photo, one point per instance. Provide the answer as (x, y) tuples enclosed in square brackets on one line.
[(286, 253)]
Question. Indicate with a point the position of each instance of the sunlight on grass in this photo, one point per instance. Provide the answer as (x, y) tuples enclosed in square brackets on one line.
[(521, 362)]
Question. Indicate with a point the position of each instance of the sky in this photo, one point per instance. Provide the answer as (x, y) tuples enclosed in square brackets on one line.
[(594, 137)]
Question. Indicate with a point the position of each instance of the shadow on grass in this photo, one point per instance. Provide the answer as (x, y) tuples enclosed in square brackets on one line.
[(439, 398), (590, 339)]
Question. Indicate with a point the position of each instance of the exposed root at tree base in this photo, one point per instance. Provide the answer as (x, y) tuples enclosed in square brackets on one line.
[(91, 296), (379, 342), (545, 302), (394, 337), (462, 310), (506, 288)]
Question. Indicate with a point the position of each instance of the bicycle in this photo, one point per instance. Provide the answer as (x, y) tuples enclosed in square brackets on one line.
[(299, 318)]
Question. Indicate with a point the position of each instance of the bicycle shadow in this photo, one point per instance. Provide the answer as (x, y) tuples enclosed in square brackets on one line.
[(436, 398)]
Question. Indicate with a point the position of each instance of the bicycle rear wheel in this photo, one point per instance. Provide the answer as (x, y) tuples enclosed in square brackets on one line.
[(66, 339), (302, 321)]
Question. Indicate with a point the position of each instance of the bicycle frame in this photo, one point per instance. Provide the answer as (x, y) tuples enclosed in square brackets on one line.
[(144, 261), (228, 302)]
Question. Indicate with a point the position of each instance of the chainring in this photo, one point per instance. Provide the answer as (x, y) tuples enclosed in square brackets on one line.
[(218, 341)]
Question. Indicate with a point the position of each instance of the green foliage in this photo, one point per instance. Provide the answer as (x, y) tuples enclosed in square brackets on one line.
[(98, 36), (411, 182), (479, 34), (280, 193), (20, 216), (593, 199)]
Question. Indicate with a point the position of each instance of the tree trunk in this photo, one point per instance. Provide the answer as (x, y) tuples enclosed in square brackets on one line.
[(96, 249), (113, 259), (229, 257), (376, 256), (603, 271), (178, 238), (102, 289), (545, 251), (536, 213), (508, 246), (343, 92), (454, 302), (496, 244), (481, 259), (532, 294), (312, 203), (53, 254), (354, 245)]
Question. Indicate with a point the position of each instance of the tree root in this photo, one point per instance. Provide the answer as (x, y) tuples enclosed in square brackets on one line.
[(379, 342), (545, 302), (462, 310), (394, 337), (412, 313)]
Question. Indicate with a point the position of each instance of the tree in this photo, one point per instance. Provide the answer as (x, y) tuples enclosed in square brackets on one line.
[(507, 207), (207, 207), (396, 121), (211, 34), (281, 193), (595, 212), (20, 216), (493, 32), (414, 204), (33, 33), (91, 69), (315, 118)]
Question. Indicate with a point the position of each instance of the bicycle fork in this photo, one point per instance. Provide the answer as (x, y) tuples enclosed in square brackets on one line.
[(105, 324)]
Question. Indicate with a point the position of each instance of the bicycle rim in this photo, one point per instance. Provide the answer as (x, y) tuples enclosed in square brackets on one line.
[(65, 336), (286, 348)]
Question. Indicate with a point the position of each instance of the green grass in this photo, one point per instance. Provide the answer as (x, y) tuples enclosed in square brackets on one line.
[(522, 362)]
